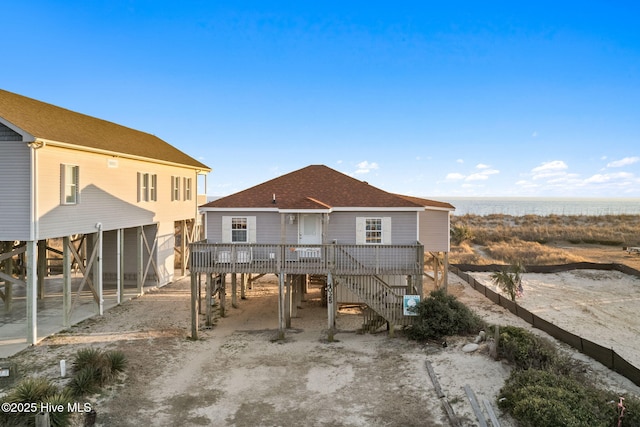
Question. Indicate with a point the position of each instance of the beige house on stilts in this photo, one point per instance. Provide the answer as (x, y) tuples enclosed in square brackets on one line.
[(108, 208)]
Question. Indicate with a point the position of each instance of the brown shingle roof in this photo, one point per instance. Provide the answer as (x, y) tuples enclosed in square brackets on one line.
[(427, 202), (314, 187), (53, 123)]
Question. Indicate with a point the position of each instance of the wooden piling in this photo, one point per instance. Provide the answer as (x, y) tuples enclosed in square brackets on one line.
[(331, 309), (234, 290), (281, 321), (194, 305), (223, 295), (209, 292), (243, 286)]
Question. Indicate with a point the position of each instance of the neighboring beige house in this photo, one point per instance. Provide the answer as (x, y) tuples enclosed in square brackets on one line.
[(370, 244), (122, 204)]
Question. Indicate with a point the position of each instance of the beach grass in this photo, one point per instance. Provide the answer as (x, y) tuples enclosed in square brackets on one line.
[(485, 239)]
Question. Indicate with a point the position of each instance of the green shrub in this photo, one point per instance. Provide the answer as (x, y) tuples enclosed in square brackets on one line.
[(62, 418), (117, 361), (36, 391), (95, 369), (85, 382), (442, 315), (526, 350), (549, 389), (87, 357), (33, 390), (460, 233), (537, 397)]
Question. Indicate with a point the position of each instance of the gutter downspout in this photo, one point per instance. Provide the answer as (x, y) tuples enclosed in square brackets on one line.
[(33, 213), (32, 254)]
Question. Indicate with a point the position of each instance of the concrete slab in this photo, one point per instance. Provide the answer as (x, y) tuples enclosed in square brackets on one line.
[(13, 325)]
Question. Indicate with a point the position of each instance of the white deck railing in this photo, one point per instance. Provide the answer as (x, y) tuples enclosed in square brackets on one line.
[(338, 259)]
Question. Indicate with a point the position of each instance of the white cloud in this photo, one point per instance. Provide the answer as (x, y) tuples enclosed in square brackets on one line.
[(534, 134), (477, 177), (459, 161), (608, 177), (554, 178), (366, 167), (526, 184), (623, 162), (484, 171), (454, 176), (553, 165), (551, 169), (490, 172)]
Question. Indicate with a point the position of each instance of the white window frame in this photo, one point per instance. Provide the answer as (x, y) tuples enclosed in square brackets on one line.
[(239, 225), (373, 236), (69, 184), (227, 229), (363, 236)]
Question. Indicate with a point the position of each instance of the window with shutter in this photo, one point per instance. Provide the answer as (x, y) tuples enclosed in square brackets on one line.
[(373, 230), (237, 229)]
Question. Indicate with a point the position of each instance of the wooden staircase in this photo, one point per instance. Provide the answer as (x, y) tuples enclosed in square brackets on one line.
[(385, 305), (372, 321), (379, 297)]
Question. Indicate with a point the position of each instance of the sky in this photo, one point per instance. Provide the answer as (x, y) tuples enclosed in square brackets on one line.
[(424, 98)]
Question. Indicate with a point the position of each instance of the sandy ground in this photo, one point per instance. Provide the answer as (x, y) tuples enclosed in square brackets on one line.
[(237, 375), (601, 306)]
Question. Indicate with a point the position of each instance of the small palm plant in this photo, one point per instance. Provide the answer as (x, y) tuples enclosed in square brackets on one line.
[(510, 280)]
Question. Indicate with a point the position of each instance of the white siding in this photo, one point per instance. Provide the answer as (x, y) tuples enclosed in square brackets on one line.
[(15, 195)]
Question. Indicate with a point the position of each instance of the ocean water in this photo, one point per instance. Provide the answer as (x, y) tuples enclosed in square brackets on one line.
[(519, 206)]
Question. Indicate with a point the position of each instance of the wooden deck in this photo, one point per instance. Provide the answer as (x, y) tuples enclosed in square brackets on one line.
[(360, 268), (337, 259)]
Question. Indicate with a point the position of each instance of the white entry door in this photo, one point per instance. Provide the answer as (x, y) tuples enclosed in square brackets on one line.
[(310, 229)]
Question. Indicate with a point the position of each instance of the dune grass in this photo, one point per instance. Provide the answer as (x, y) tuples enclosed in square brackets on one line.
[(497, 238)]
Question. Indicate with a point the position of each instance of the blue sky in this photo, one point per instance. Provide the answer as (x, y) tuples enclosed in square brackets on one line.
[(433, 99)]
